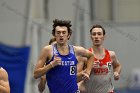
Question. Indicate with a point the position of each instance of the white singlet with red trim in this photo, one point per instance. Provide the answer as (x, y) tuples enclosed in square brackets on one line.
[(101, 75)]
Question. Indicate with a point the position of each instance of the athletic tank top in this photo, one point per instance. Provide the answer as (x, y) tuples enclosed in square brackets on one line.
[(101, 75), (62, 78)]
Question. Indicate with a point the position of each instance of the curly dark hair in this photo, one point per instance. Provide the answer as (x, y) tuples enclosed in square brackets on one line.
[(66, 23), (97, 26)]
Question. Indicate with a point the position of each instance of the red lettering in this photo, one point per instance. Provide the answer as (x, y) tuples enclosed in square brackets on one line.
[(97, 70), (100, 71)]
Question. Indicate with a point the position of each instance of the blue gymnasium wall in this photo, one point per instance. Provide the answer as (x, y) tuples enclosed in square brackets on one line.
[(14, 60)]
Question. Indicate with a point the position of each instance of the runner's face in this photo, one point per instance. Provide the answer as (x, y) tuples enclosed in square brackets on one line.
[(61, 34), (97, 36)]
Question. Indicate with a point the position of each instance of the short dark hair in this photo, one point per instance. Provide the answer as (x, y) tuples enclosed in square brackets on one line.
[(52, 40), (97, 26), (66, 23)]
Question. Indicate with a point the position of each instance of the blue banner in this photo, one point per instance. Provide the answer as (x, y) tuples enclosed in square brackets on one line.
[(14, 60)]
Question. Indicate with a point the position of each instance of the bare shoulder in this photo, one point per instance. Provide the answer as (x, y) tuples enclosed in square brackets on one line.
[(113, 57), (47, 48), (2, 70), (81, 51), (112, 54), (79, 48), (3, 74), (46, 52)]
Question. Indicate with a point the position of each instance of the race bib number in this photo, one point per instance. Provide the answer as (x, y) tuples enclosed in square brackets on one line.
[(72, 70), (109, 66)]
